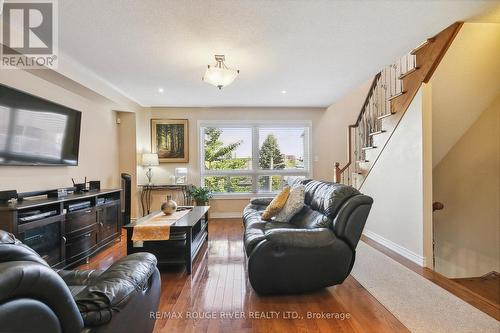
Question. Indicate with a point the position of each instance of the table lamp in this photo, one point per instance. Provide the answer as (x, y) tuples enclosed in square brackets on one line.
[(149, 160)]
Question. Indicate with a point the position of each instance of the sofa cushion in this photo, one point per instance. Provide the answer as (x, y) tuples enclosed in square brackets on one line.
[(309, 218), (255, 232), (327, 198)]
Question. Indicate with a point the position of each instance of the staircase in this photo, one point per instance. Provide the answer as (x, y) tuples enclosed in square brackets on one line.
[(388, 98)]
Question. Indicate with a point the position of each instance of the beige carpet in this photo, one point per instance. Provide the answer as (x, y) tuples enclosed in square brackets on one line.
[(419, 304)]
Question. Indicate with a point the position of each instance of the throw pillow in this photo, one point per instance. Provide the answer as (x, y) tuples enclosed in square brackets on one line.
[(277, 204), (293, 205)]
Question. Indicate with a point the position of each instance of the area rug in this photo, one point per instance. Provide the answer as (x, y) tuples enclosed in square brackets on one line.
[(419, 304)]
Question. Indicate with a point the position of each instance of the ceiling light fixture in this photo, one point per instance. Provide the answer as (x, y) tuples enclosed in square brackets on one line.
[(160, 90), (220, 75), (283, 92)]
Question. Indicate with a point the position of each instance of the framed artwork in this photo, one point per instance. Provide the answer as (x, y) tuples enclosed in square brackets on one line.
[(169, 139)]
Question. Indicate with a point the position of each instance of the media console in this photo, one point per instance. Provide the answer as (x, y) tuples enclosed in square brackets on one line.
[(65, 231)]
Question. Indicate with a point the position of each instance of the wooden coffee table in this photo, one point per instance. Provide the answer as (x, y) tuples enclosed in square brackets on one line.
[(187, 236)]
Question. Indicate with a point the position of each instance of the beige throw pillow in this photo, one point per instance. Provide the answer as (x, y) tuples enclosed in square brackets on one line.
[(293, 205)]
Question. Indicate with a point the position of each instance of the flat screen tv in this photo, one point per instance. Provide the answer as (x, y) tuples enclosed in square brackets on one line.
[(34, 131)]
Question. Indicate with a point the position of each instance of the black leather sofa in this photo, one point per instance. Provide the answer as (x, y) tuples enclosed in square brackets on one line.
[(35, 298), (316, 249)]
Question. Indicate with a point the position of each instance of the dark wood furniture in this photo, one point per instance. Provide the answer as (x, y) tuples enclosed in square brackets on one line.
[(146, 192), (187, 236), (68, 235)]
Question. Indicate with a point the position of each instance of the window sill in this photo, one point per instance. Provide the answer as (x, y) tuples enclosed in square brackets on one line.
[(242, 196)]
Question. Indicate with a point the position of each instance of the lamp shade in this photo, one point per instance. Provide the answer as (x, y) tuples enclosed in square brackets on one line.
[(150, 159), (220, 77)]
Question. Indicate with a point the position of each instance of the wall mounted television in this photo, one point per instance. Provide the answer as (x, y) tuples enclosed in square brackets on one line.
[(34, 131)]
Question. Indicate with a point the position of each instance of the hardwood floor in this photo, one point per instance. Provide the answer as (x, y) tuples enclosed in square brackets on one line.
[(487, 286), (219, 288)]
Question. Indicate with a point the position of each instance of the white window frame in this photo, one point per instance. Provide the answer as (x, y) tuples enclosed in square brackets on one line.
[(255, 171)]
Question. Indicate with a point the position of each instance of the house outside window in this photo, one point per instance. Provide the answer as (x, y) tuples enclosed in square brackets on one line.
[(253, 158)]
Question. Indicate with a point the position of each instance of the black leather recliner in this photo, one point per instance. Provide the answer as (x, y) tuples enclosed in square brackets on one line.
[(316, 249), (35, 298)]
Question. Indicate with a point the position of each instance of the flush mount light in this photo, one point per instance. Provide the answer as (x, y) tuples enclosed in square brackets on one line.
[(160, 90), (219, 74), (283, 92)]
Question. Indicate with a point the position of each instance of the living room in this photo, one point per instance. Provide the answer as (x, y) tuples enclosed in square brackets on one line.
[(255, 166)]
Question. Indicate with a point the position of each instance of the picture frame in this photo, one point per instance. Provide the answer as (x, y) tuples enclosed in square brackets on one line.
[(170, 140)]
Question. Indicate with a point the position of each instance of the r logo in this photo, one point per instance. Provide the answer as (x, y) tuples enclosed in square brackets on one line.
[(28, 28)]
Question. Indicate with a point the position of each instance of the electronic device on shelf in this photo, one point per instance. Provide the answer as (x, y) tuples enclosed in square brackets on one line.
[(59, 193), (35, 215), (5, 196), (80, 187), (94, 185), (101, 201), (79, 205)]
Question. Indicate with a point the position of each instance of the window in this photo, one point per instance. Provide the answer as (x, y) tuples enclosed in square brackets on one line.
[(253, 158)]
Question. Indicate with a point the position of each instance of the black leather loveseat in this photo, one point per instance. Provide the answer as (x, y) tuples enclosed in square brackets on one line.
[(35, 298), (315, 250)]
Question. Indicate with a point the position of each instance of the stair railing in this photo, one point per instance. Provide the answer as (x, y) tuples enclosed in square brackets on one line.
[(386, 85)]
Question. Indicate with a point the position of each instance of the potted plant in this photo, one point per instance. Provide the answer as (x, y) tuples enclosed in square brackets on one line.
[(201, 195)]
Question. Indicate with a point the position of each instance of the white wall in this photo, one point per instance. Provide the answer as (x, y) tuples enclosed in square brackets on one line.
[(396, 185), (467, 182), (466, 82), (331, 145)]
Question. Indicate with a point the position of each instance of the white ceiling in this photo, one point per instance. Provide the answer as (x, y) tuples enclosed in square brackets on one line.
[(315, 50)]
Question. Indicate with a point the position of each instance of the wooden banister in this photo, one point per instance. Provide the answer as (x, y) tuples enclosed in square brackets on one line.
[(387, 100), (338, 170)]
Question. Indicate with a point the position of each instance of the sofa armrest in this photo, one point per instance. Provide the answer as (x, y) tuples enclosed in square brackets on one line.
[(351, 219), (79, 277), (261, 201), (27, 281), (112, 290), (305, 238)]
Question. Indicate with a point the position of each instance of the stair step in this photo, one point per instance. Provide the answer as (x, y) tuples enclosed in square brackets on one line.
[(421, 46), (397, 95), (384, 116), (413, 70), (368, 147), (377, 132)]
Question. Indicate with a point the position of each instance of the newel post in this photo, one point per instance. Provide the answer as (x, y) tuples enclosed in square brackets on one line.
[(337, 175)]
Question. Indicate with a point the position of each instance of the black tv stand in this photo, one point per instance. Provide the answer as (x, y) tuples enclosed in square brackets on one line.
[(65, 231)]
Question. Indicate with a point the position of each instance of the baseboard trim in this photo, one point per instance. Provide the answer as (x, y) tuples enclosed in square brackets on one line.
[(401, 250), (226, 215)]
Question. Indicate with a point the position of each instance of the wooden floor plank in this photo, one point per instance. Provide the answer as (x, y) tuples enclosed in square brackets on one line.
[(487, 286), (219, 283)]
